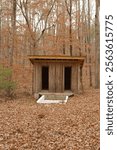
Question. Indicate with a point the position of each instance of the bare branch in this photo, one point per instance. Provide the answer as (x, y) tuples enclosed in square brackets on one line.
[(39, 19), (23, 8), (43, 31), (67, 7)]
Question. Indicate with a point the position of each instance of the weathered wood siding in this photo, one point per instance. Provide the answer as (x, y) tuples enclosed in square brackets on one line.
[(56, 76), (59, 77), (37, 78), (74, 78), (78, 78), (52, 77), (34, 79)]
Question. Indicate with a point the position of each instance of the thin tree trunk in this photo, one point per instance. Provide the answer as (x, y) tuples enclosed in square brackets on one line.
[(97, 46), (13, 20), (69, 11), (70, 28), (63, 30), (89, 43), (79, 22), (0, 28)]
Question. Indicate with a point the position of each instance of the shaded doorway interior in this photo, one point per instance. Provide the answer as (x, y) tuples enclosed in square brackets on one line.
[(67, 78), (45, 78)]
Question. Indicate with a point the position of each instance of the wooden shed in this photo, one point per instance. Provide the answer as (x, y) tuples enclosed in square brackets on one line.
[(57, 74)]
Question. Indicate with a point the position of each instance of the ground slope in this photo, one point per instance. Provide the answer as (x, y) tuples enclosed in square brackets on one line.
[(25, 125)]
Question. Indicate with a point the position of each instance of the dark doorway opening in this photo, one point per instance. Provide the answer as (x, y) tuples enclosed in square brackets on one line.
[(45, 78), (67, 78)]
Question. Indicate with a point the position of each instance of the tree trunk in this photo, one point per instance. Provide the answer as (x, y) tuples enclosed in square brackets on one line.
[(79, 21), (97, 46), (70, 27), (0, 29), (63, 30), (13, 21), (89, 43)]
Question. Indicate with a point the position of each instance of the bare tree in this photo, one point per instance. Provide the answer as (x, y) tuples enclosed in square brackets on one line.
[(69, 11), (41, 18)]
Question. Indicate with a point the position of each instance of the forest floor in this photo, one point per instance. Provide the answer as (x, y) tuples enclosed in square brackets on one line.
[(26, 125)]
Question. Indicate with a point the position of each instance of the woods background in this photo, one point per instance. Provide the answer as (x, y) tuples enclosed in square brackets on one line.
[(49, 27)]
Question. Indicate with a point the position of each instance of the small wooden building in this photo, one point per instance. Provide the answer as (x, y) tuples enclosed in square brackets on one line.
[(57, 74)]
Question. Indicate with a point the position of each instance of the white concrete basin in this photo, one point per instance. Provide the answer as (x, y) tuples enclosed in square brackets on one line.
[(52, 99)]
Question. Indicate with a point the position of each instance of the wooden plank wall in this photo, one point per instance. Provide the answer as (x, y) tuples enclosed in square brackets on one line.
[(52, 77), (74, 78), (38, 78), (34, 79), (56, 77), (39, 86), (79, 79), (59, 77)]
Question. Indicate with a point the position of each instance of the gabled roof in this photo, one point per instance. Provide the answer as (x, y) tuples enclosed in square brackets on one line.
[(49, 58)]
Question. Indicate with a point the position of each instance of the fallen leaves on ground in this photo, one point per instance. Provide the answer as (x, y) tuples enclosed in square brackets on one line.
[(26, 125)]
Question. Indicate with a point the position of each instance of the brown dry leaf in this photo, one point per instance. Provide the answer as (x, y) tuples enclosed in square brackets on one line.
[(24, 124)]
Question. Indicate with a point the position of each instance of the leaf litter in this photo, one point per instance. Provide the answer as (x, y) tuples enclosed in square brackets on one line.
[(26, 125)]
